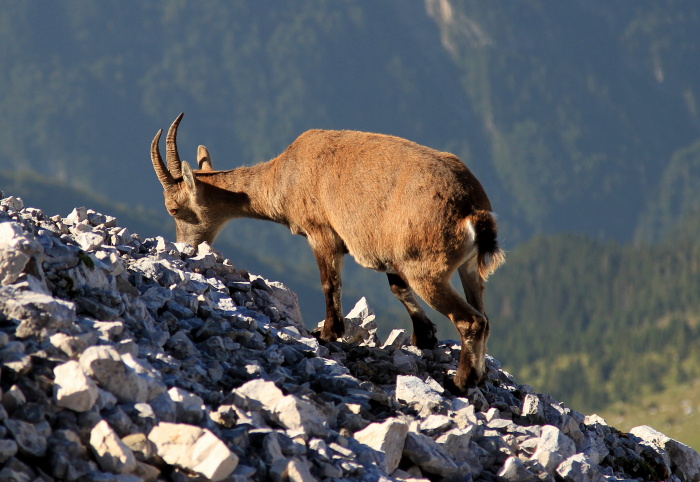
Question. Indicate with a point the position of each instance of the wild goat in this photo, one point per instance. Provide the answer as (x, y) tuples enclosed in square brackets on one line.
[(395, 206)]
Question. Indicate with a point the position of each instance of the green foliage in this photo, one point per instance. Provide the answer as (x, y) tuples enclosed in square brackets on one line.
[(595, 322), (563, 111)]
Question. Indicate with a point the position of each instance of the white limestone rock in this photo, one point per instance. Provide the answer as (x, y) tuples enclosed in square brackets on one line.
[(429, 455), (188, 406), (578, 468), (193, 448), (684, 461), (388, 438), (397, 338), (553, 448), (513, 470), (456, 442), (257, 395), (412, 390), (72, 388), (16, 250), (105, 365), (40, 315), (300, 417), (111, 453)]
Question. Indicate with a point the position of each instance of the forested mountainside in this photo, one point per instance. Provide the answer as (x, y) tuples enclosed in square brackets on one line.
[(580, 119), (569, 113)]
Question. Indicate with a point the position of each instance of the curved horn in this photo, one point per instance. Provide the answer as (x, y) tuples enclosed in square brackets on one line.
[(171, 155), (164, 176), (204, 159)]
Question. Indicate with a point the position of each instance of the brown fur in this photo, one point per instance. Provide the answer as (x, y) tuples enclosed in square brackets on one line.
[(394, 205)]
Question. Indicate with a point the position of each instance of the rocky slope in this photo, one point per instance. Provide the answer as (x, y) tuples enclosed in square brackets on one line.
[(125, 359)]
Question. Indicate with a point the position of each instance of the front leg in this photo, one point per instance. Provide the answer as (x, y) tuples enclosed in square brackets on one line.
[(330, 263), (423, 329)]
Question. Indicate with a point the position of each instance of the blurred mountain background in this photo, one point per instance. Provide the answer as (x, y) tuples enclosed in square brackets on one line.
[(581, 119)]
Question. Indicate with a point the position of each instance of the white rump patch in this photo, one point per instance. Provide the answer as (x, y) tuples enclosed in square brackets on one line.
[(469, 228)]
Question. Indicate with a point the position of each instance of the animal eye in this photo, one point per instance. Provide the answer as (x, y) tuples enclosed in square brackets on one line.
[(173, 211)]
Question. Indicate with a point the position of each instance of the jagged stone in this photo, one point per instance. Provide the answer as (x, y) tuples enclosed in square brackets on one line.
[(514, 470), (29, 439), (684, 461), (72, 388), (257, 395), (107, 366), (578, 468), (16, 251), (188, 407), (397, 338), (111, 453), (456, 443), (8, 448), (39, 315), (299, 416), (194, 449), (412, 390), (388, 438), (553, 448), (429, 455)]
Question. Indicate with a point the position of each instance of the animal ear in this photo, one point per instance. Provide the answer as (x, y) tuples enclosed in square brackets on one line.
[(204, 159), (188, 177)]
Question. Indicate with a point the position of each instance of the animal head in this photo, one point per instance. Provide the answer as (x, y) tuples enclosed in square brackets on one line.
[(187, 199)]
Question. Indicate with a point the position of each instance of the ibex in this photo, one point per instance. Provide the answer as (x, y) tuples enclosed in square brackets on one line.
[(395, 206)]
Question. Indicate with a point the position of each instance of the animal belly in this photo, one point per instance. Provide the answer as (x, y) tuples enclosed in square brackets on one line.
[(371, 262)]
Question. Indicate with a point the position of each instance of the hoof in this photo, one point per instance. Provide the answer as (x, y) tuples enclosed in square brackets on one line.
[(325, 337), (423, 343), (451, 387)]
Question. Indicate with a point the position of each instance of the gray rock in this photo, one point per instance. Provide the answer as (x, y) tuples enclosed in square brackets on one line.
[(8, 448), (111, 453), (16, 250), (429, 455), (579, 469), (193, 448), (684, 461), (72, 388), (105, 365), (39, 315), (553, 448), (299, 416), (456, 443), (397, 338), (188, 407), (388, 438), (514, 470), (258, 395), (29, 440), (412, 390)]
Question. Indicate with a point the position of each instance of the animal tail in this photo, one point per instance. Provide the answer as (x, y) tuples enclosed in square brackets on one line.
[(490, 255)]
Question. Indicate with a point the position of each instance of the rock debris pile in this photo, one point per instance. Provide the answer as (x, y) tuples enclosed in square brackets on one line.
[(127, 359)]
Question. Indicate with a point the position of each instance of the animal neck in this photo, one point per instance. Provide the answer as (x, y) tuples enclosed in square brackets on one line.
[(241, 192)]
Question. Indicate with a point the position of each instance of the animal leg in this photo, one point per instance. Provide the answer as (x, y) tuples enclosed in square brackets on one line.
[(423, 329), (473, 285), (330, 263), (470, 323)]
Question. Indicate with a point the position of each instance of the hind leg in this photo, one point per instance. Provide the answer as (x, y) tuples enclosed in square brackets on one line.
[(423, 329), (470, 323), (473, 285)]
